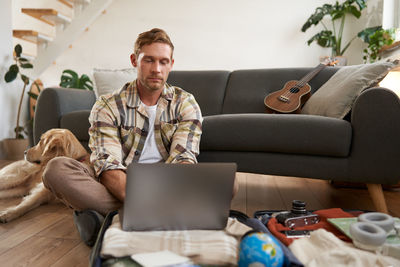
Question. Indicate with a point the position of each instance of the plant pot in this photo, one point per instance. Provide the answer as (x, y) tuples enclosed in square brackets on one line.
[(340, 60), (14, 148)]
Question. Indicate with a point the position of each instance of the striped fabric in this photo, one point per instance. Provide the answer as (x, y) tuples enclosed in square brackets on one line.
[(208, 247), (119, 126)]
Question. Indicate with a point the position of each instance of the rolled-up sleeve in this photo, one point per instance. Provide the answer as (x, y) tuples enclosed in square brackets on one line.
[(185, 145), (104, 138)]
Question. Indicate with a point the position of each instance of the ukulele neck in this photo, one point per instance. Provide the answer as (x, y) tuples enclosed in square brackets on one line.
[(310, 75)]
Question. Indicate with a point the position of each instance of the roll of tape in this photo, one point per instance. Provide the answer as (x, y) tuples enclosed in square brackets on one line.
[(383, 220), (367, 235)]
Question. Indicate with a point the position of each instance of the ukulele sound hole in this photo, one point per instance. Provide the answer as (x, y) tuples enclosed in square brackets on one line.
[(294, 90)]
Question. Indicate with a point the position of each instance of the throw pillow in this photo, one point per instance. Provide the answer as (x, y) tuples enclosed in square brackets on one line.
[(336, 97), (106, 81)]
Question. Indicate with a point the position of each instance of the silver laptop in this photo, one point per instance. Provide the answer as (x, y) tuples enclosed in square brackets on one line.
[(163, 196)]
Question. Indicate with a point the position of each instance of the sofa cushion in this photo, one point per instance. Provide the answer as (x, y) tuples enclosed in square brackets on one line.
[(289, 133), (247, 89), (208, 87), (108, 80), (336, 97)]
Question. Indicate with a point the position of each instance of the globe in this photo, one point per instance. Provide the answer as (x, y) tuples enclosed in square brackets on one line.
[(260, 249)]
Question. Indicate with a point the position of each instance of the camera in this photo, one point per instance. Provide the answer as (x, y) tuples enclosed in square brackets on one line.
[(298, 216)]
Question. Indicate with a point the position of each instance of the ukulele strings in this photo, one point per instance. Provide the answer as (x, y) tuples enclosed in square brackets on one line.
[(299, 84)]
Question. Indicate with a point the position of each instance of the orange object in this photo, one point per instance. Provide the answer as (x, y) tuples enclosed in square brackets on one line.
[(276, 228)]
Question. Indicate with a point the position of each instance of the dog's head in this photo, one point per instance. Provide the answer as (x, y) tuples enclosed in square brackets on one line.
[(55, 143)]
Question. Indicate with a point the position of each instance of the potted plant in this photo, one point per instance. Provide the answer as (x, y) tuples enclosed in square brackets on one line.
[(376, 38), (70, 79), (15, 146), (332, 35)]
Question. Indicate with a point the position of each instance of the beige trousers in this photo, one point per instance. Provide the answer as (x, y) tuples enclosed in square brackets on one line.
[(75, 184)]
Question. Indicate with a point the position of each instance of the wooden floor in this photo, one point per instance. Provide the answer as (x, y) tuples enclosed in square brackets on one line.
[(46, 236)]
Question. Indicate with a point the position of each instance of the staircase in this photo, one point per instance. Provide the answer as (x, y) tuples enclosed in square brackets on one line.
[(46, 28)]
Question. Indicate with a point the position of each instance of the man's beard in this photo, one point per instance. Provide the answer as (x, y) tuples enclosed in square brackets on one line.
[(152, 85)]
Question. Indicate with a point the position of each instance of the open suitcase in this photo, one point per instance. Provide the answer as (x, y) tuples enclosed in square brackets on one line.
[(255, 223)]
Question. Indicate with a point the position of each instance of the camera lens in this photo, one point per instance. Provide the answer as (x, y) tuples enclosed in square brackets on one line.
[(299, 207)]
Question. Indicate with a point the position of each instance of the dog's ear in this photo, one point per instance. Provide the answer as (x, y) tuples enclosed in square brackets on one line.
[(74, 147), (55, 147)]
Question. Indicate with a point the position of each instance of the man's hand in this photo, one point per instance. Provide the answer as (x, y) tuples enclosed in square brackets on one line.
[(115, 182)]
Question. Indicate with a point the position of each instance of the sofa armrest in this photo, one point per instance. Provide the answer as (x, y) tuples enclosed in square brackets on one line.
[(53, 103), (376, 136)]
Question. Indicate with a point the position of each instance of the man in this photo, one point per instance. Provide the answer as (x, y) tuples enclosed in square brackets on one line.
[(146, 121)]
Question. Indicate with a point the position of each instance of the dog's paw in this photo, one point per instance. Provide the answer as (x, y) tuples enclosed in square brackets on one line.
[(5, 216)]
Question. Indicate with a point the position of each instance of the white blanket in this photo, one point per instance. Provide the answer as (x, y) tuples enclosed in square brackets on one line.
[(201, 246), (325, 249)]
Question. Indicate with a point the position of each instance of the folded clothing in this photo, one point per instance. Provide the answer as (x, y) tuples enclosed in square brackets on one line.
[(323, 249), (276, 228), (201, 246)]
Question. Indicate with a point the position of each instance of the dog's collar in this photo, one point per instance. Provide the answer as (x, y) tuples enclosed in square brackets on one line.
[(82, 159)]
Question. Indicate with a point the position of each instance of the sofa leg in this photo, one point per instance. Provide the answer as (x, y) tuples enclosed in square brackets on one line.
[(376, 193)]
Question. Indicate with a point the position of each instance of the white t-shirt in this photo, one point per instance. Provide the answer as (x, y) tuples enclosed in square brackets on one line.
[(150, 153)]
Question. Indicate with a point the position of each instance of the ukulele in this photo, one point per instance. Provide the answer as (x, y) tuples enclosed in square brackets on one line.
[(294, 94)]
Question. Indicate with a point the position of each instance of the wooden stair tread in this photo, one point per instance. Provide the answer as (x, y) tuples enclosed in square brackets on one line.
[(47, 15), (70, 3), (67, 3), (32, 36)]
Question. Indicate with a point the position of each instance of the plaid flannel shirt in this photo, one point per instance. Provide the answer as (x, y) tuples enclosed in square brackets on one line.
[(119, 126)]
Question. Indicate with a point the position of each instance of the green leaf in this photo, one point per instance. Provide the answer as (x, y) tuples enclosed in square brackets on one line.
[(69, 79), (27, 66), (25, 79), (323, 38), (338, 15), (10, 76), (354, 11), (361, 4), (335, 12), (18, 50), (20, 128), (14, 68), (367, 32), (72, 73), (318, 15), (376, 38), (18, 131), (22, 59), (85, 82)]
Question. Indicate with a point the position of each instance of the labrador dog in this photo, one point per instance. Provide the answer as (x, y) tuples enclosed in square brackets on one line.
[(23, 178)]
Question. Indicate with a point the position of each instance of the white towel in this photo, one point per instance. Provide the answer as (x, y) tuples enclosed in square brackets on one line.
[(201, 246), (323, 248)]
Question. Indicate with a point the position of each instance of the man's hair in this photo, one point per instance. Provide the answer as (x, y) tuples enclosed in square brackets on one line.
[(153, 36)]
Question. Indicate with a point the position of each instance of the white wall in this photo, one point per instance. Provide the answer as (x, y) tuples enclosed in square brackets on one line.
[(208, 34), (9, 92)]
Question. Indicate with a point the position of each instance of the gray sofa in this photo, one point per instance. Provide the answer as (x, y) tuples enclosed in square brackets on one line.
[(363, 147)]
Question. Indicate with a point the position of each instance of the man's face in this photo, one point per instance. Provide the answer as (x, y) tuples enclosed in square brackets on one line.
[(153, 64)]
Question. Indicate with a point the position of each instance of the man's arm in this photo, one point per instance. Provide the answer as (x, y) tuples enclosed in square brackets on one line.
[(106, 148), (104, 140), (185, 145), (115, 182)]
